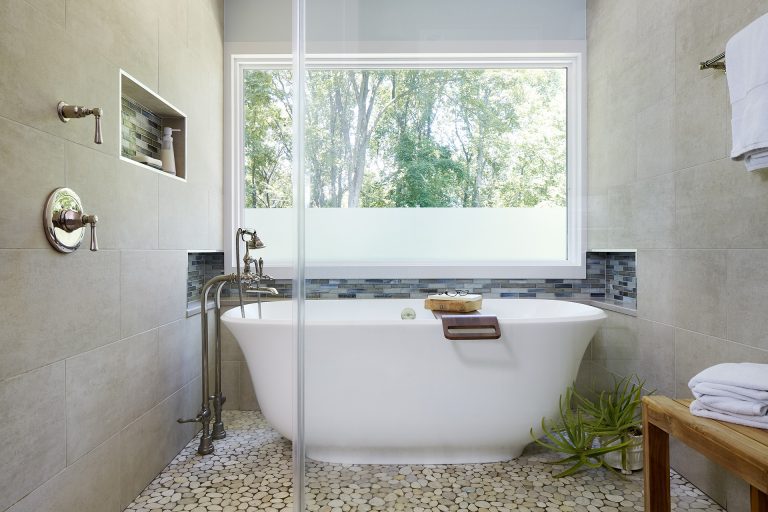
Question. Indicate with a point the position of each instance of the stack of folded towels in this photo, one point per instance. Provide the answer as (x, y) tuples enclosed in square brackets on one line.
[(733, 392)]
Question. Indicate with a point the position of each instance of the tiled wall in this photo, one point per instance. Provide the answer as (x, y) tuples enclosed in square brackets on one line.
[(97, 359), (141, 130), (621, 278), (202, 266), (609, 276), (660, 180)]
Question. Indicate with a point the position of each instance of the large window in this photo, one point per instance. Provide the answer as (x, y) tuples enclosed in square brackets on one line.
[(414, 165)]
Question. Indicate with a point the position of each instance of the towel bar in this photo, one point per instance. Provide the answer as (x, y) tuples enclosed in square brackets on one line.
[(717, 62)]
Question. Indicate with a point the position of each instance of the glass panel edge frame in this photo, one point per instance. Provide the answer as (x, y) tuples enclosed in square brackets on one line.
[(298, 44), (574, 266)]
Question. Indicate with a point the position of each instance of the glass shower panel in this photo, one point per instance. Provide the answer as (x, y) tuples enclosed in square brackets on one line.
[(414, 121)]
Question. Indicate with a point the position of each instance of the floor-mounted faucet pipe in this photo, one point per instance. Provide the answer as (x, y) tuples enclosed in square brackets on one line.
[(218, 397), (204, 416)]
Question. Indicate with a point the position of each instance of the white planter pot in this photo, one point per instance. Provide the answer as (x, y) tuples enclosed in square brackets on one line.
[(634, 457)]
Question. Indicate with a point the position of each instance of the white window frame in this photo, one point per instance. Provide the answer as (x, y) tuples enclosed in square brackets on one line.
[(574, 267)]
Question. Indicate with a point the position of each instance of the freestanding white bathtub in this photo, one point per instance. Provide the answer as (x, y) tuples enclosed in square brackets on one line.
[(380, 389)]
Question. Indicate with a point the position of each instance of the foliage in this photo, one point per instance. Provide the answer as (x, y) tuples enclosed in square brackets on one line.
[(613, 419), (615, 416), (411, 138), (615, 412), (572, 437), (267, 136)]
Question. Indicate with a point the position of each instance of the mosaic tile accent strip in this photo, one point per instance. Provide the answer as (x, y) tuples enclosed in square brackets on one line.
[(609, 276), (202, 266), (141, 130), (252, 471), (620, 274)]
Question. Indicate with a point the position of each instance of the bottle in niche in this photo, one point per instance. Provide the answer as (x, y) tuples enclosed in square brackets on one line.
[(166, 150)]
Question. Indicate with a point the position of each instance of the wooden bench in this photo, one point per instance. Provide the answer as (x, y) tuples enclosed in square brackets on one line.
[(741, 450)]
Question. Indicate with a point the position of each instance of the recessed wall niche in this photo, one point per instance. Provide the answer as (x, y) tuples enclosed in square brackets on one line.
[(143, 115)]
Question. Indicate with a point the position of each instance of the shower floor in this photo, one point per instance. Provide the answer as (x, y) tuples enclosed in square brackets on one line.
[(252, 471)]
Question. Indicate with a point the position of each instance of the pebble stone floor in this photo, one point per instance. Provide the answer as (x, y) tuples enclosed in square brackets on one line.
[(251, 470)]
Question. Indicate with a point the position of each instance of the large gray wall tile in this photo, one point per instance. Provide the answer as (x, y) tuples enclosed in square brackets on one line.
[(683, 288), (747, 295), (56, 10), (34, 429), (720, 204), (698, 470), (88, 485), (150, 442), (179, 354), (652, 218), (127, 33), (152, 289), (107, 388), (56, 305), (230, 348), (32, 165), (125, 198), (37, 56), (183, 215), (627, 346), (700, 122), (248, 399), (695, 352), (656, 139), (230, 384)]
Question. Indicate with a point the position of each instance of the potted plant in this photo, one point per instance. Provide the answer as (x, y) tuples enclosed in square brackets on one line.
[(615, 419), (571, 436), (601, 433)]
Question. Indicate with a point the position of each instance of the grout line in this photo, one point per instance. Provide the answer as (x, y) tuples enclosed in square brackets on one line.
[(66, 417)]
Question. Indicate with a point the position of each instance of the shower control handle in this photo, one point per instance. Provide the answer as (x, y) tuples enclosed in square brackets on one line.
[(92, 220), (67, 112), (71, 220), (97, 137)]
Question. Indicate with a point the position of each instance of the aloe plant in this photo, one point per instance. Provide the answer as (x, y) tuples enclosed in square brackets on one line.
[(573, 437), (615, 412), (615, 415)]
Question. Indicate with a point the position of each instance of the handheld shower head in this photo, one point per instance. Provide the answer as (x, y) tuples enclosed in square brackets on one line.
[(251, 239)]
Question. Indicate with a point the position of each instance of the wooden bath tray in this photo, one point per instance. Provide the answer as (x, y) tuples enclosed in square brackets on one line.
[(470, 327)]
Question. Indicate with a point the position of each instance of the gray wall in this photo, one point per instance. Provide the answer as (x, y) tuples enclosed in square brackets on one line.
[(357, 25), (660, 181), (96, 358)]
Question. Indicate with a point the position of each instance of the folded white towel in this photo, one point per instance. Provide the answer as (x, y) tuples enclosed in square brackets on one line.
[(733, 406), (756, 160), (705, 388), (748, 376), (748, 87), (750, 421)]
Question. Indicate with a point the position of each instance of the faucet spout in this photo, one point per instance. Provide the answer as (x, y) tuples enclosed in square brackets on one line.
[(262, 290)]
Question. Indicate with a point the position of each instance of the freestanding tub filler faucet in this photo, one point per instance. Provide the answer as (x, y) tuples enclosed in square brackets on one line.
[(247, 277)]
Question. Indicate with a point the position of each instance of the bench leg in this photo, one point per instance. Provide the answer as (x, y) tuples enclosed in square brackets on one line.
[(758, 499), (656, 455)]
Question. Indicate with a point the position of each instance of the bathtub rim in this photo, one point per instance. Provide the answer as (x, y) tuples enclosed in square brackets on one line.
[(591, 313)]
